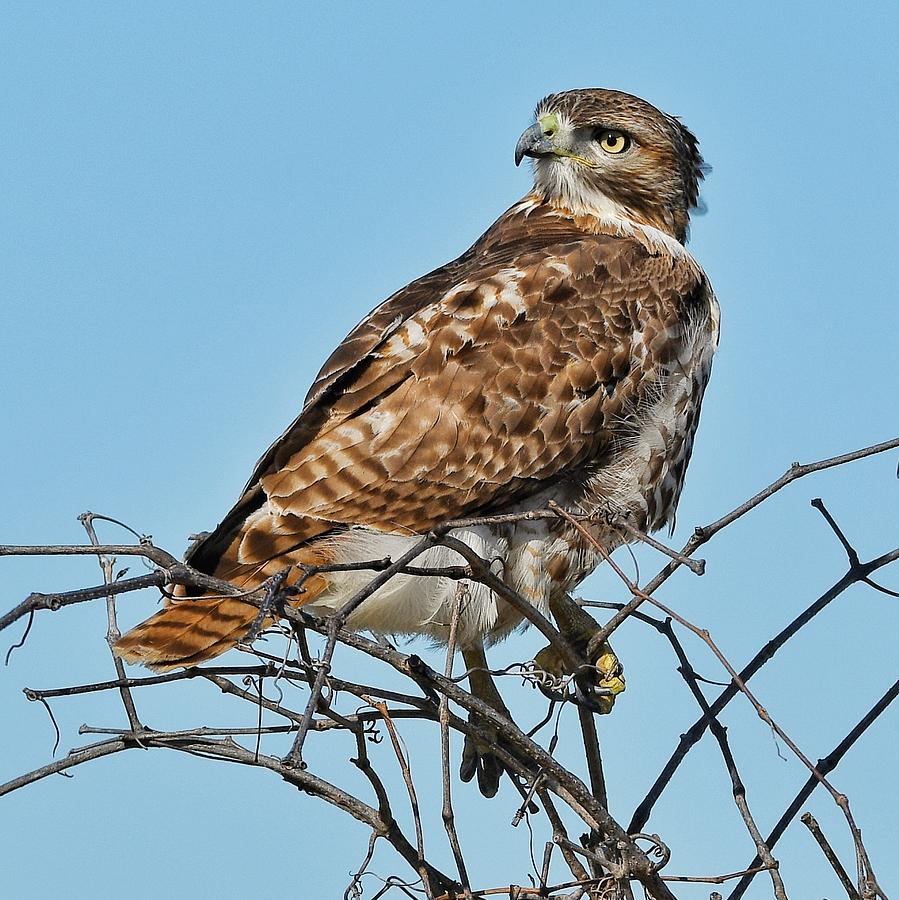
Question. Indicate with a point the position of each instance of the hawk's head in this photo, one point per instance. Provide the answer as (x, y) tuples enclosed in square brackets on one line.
[(609, 154)]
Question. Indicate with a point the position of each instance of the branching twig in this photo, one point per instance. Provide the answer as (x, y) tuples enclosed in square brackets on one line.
[(864, 865), (825, 765), (704, 533), (692, 735), (739, 789), (449, 819), (614, 854), (107, 564), (811, 823)]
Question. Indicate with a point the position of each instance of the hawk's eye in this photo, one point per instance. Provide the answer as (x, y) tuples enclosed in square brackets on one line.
[(612, 141)]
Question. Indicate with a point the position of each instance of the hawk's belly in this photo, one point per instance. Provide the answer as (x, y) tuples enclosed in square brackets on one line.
[(534, 558)]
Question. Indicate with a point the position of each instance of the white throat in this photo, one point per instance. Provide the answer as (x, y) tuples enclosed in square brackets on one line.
[(557, 180), (561, 180)]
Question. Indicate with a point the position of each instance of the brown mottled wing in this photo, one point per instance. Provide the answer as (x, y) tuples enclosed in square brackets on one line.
[(510, 378), (475, 385), (509, 237)]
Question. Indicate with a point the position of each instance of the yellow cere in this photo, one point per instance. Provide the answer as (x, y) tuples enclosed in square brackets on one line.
[(549, 124)]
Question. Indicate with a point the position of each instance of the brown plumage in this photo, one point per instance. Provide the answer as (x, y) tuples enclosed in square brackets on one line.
[(563, 356)]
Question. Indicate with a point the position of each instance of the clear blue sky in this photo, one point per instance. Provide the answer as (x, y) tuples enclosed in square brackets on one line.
[(199, 200)]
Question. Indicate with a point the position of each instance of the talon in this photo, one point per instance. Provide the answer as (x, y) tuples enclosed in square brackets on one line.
[(595, 689), (586, 695), (477, 759), (611, 678), (469, 765)]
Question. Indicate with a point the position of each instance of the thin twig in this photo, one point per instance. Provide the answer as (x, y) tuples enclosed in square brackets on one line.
[(737, 785), (697, 566), (410, 788), (449, 819), (824, 765), (560, 835), (702, 534), (480, 571), (839, 798), (53, 602), (335, 623), (691, 736), (74, 758), (714, 879), (811, 823), (563, 782), (107, 565), (354, 891)]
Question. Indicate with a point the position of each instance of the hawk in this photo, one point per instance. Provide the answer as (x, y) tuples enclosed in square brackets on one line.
[(563, 357)]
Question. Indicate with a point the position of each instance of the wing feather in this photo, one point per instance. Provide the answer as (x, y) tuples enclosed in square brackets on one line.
[(473, 386)]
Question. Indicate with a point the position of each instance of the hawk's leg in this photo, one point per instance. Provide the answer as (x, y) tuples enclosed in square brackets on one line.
[(606, 678), (477, 757)]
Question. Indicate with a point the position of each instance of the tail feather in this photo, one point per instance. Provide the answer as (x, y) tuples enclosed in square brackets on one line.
[(187, 632), (191, 630)]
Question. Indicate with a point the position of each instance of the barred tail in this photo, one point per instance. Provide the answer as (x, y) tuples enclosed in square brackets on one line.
[(190, 630), (187, 632)]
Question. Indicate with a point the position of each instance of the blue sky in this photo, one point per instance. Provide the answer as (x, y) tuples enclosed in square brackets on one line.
[(199, 201)]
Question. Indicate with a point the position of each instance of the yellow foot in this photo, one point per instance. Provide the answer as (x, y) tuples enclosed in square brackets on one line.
[(603, 683)]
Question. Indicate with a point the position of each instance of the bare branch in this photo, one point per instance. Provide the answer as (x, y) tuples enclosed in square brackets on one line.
[(704, 533), (74, 758), (825, 765), (737, 785), (811, 823), (610, 861), (692, 735), (107, 565), (449, 819)]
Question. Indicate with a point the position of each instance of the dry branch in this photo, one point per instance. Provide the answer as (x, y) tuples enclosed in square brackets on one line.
[(615, 856)]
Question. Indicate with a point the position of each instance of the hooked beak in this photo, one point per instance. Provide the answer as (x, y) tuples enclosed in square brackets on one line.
[(533, 143)]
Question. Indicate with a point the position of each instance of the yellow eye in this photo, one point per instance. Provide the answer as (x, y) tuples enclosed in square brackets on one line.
[(612, 141)]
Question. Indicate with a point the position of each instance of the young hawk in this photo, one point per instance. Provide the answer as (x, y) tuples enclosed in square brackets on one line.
[(562, 357)]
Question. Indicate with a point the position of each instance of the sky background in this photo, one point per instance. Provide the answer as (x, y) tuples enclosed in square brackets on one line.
[(200, 199)]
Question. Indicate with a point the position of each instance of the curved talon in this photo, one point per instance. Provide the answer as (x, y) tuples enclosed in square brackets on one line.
[(611, 679), (587, 695), (469, 765), (478, 757)]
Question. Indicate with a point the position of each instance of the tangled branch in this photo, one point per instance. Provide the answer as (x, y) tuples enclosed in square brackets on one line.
[(610, 858)]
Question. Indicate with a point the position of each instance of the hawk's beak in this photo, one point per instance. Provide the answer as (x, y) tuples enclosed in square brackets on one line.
[(533, 143)]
